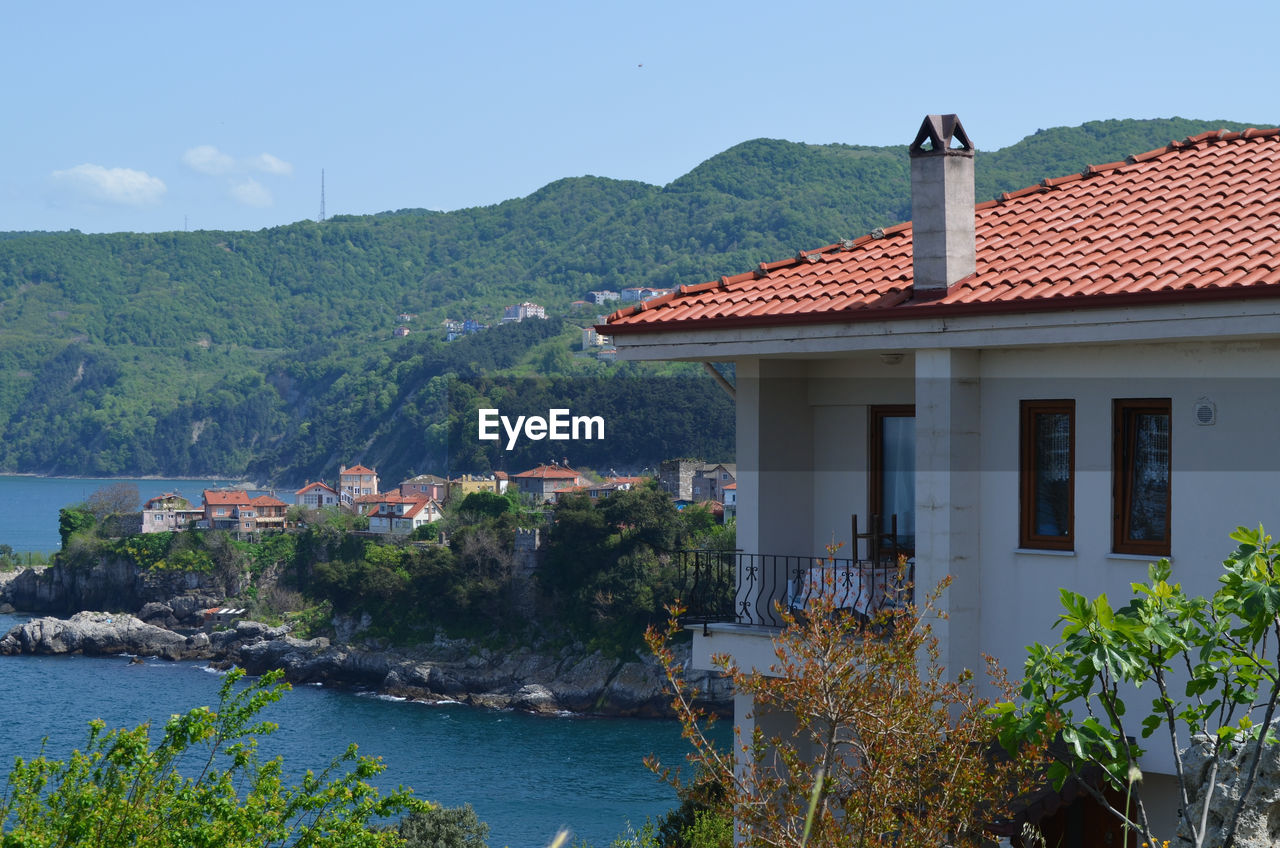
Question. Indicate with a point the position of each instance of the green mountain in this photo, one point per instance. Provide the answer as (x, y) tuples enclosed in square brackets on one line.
[(271, 353)]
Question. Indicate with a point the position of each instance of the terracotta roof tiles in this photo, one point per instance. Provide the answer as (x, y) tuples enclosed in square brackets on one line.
[(1200, 217), (548, 472), (226, 497)]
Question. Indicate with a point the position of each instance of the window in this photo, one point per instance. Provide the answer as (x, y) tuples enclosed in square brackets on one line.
[(1048, 469), (1141, 476), (893, 471)]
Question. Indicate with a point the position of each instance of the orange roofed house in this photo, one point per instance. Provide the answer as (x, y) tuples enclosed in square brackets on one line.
[(545, 480), (315, 495), (356, 481), (396, 513), (222, 508), (270, 512), (1049, 389)]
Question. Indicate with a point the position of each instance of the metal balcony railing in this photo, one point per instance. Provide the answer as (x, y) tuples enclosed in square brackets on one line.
[(750, 589)]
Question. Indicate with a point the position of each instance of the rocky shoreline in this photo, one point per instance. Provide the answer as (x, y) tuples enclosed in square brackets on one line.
[(443, 670)]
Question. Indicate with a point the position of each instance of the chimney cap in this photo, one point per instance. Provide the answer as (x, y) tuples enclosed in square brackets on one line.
[(939, 131)]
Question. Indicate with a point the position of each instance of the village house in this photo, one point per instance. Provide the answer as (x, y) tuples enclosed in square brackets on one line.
[(460, 487), (355, 481), (521, 311), (543, 482), (693, 480), (709, 481), (428, 485), (400, 515), (591, 338), (316, 495), (270, 512), (633, 294), (595, 491), (169, 512), (1049, 389), (222, 508)]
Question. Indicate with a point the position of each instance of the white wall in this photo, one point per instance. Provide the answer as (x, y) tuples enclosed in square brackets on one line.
[(1224, 475), (802, 442)]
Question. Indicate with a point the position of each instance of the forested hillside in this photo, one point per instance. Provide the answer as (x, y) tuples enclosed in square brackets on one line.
[(271, 352)]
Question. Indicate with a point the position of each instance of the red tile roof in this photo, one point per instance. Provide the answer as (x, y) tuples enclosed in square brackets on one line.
[(357, 469), (267, 500), (311, 486), (215, 497), (1199, 218), (549, 471)]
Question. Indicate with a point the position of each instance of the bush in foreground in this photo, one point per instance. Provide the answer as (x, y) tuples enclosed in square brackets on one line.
[(202, 786), (888, 750)]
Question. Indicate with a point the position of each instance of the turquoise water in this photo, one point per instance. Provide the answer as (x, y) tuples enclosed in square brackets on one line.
[(29, 505), (527, 776)]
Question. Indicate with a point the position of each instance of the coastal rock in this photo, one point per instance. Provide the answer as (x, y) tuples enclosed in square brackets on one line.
[(636, 690), (292, 655), (116, 583), (94, 634), (535, 698), (444, 670), (346, 627), (490, 701), (579, 685), (158, 614)]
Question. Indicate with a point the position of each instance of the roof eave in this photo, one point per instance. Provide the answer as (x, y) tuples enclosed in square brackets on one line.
[(949, 310)]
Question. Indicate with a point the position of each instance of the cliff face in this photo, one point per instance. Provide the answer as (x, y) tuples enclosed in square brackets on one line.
[(568, 680), (113, 584)]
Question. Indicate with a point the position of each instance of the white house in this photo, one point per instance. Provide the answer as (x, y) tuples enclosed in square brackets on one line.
[(316, 495), (1050, 389), (401, 514)]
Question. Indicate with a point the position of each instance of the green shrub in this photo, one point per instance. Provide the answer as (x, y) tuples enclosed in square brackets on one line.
[(443, 827)]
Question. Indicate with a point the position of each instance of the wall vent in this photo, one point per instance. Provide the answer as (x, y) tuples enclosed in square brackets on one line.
[(1206, 412)]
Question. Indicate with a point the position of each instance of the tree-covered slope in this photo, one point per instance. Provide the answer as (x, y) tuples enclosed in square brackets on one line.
[(272, 351)]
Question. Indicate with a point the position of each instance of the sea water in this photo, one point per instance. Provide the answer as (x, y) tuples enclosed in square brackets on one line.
[(526, 776)]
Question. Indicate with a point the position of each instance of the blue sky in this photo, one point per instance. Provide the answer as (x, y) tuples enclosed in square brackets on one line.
[(152, 116)]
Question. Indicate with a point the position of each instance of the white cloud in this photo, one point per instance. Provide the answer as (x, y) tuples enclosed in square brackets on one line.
[(252, 193), (269, 164), (208, 159), (113, 185)]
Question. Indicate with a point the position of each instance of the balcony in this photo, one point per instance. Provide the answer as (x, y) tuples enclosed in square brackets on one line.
[(749, 589)]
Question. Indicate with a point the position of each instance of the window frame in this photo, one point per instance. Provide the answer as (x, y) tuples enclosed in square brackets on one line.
[(1028, 537), (1123, 413), (876, 415)]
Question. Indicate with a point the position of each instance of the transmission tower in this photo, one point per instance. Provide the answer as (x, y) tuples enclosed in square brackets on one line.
[(322, 195)]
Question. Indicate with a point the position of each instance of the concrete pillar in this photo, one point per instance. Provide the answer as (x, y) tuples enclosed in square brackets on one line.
[(948, 497), (775, 473)]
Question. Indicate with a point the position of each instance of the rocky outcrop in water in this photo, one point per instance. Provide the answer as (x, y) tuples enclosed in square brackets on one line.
[(568, 681), (99, 634)]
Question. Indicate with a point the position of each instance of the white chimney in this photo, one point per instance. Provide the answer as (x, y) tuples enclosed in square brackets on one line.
[(942, 233)]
